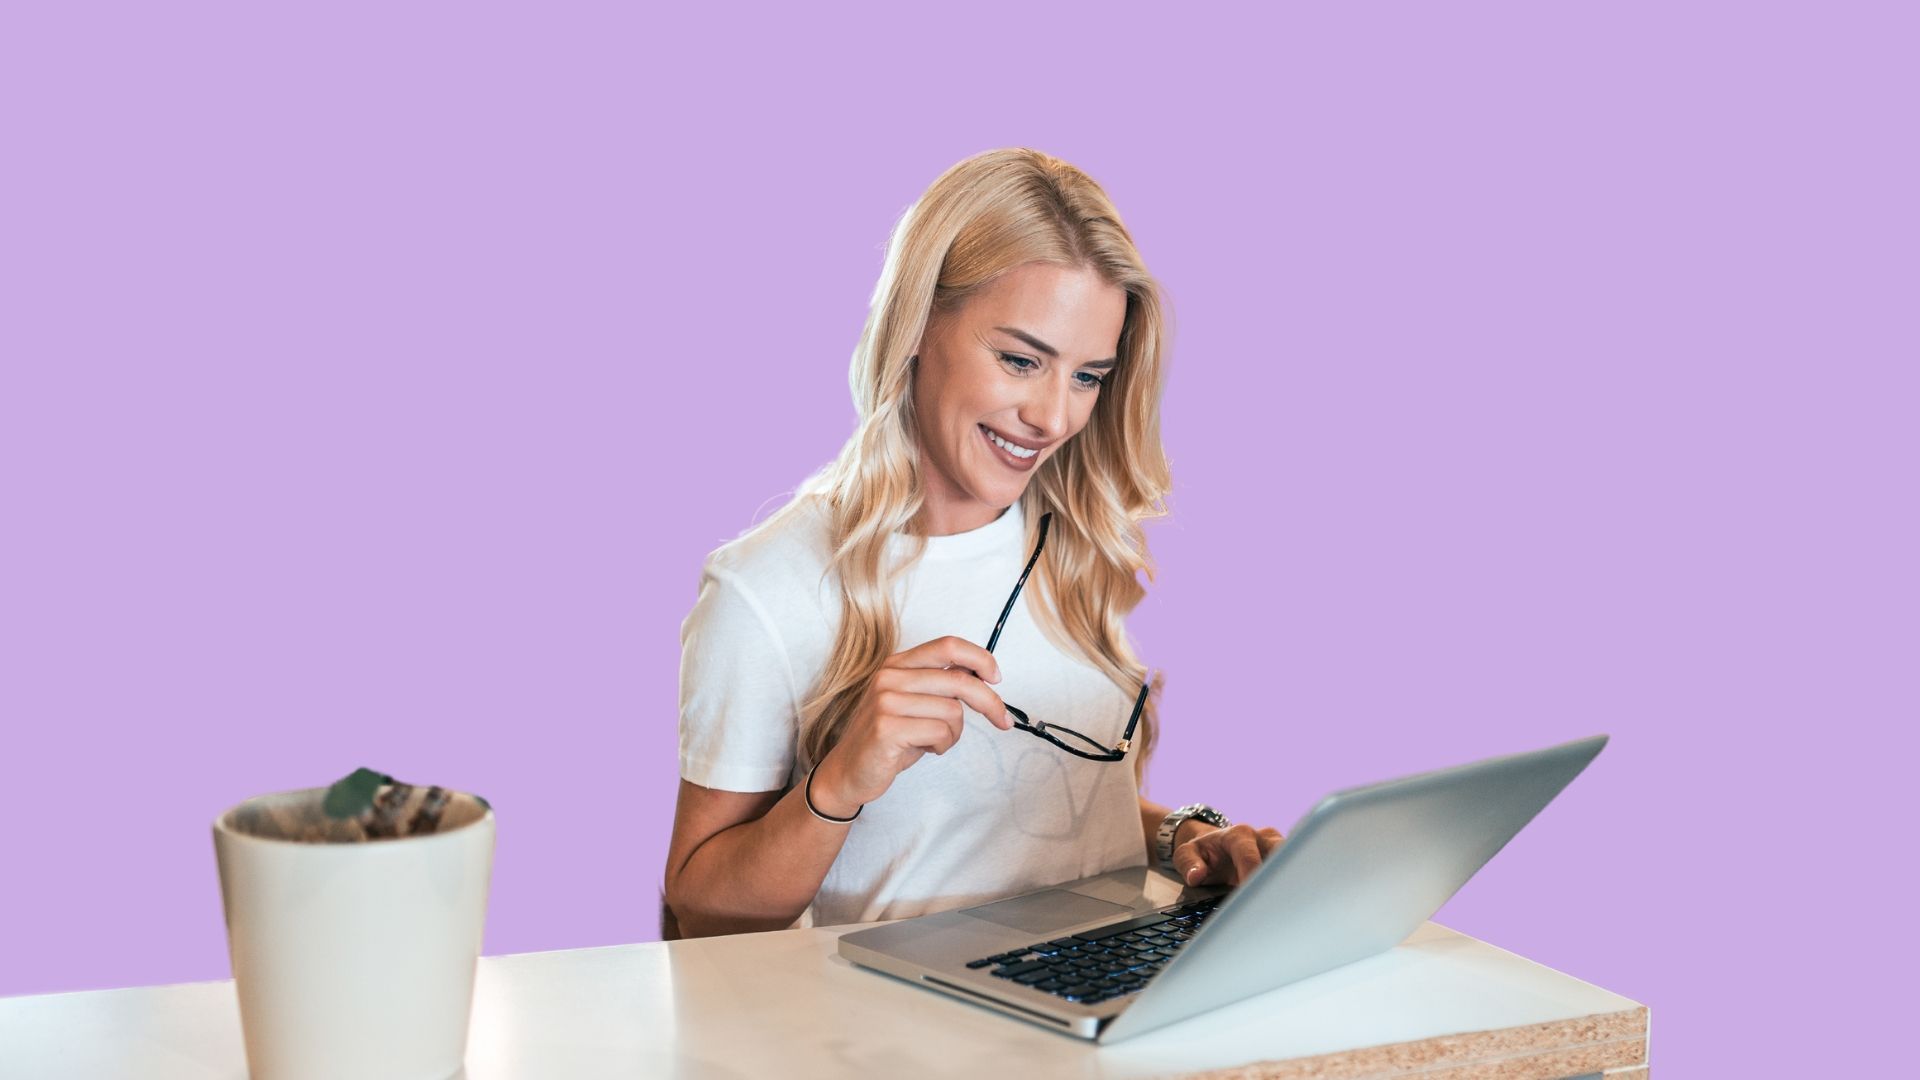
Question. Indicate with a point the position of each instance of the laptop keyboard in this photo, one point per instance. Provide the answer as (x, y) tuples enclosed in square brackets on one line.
[(1105, 962)]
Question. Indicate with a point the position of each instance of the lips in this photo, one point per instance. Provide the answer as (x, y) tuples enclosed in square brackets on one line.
[(1005, 457)]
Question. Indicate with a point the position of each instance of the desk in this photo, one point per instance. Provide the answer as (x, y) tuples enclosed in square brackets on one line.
[(1441, 1006)]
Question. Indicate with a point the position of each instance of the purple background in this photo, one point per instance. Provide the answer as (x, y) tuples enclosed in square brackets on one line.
[(374, 384)]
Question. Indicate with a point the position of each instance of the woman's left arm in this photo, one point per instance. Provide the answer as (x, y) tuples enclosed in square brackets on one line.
[(1204, 854)]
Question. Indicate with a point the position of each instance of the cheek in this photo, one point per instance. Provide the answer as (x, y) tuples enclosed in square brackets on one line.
[(938, 407)]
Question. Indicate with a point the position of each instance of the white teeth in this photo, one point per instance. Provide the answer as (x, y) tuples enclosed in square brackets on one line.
[(1003, 444)]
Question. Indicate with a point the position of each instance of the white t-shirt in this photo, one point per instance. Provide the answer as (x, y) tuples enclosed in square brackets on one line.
[(1001, 813)]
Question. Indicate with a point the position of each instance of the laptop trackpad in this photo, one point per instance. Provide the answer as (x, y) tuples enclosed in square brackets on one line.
[(1045, 912)]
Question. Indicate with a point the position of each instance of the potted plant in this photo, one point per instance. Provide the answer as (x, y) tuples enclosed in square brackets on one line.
[(354, 917)]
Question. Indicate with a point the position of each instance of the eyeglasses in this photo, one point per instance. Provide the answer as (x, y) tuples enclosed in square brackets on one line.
[(1041, 727)]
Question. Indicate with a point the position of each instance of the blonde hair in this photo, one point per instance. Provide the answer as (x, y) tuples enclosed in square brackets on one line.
[(982, 217)]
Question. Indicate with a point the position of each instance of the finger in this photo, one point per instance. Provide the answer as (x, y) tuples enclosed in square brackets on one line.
[(926, 706), (931, 736), (911, 709), (949, 651), (1244, 852), (959, 685), (1269, 839), (1190, 862)]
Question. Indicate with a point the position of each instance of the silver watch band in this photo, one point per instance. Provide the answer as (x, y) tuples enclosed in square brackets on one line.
[(1163, 839)]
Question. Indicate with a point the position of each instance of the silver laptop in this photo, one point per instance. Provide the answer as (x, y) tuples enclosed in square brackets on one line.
[(1109, 957)]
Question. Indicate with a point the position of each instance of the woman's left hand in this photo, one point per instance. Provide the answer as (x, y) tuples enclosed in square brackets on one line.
[(1226, 856)]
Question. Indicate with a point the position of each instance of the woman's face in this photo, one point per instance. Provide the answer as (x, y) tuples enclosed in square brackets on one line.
[(1004, 381)]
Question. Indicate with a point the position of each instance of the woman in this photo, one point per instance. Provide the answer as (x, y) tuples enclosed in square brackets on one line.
[(1008, 383)]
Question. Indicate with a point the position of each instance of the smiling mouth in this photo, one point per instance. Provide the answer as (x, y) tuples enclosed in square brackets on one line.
[(1010, 453)]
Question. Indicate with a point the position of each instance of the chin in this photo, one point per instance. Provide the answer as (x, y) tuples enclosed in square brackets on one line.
[(999, 496)]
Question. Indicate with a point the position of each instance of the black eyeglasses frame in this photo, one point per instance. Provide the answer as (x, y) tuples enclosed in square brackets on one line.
[(1040, 727)]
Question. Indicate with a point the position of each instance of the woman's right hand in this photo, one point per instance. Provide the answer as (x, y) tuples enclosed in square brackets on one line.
[(914, 704)]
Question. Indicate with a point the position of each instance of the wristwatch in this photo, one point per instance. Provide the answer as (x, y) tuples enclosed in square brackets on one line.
[(1163, 839)]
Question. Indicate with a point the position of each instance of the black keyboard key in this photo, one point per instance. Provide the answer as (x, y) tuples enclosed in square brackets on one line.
[(1016, 970), (1032, 977), (980, 963), (1065, 943)]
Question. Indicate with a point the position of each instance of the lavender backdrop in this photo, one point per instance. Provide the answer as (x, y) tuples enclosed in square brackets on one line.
[(375, 379)]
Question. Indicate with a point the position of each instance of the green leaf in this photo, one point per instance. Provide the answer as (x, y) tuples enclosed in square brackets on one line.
[(352, 795)]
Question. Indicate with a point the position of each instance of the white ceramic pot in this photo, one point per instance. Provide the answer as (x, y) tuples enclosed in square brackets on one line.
[(353, 959)]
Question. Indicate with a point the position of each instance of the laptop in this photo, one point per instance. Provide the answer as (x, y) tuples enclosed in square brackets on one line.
[(1109, 957)]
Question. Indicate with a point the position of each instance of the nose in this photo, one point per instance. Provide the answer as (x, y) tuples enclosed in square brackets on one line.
[(1045, 409)]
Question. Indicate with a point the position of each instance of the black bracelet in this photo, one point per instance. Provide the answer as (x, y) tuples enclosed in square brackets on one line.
[(808, 795)]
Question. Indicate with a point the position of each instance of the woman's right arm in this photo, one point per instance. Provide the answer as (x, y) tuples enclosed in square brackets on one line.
[(740, 862)]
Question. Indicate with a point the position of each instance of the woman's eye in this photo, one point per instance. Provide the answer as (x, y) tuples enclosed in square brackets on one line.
[(1086, 380)]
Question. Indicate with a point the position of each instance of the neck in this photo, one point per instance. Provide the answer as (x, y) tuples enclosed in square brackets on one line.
[(947, 518)]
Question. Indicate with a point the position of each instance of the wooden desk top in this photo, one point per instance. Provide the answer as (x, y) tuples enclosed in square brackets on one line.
[(1441, 1006)]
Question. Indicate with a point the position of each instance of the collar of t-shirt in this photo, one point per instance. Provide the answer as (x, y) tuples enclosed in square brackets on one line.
[(1001, 531)]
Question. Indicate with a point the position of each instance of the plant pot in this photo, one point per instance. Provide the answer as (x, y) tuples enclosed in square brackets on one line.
[(353, 959)]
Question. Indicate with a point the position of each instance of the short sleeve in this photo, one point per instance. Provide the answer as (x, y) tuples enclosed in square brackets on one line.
[(739, 716)]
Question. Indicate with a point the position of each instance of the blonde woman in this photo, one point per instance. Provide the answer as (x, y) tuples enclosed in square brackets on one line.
[(1008, 385)]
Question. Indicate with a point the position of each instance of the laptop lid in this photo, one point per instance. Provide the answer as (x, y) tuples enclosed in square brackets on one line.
[(1360, 872)]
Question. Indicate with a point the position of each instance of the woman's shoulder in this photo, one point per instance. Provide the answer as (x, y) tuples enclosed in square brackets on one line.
[(792, 548), (776, 574)]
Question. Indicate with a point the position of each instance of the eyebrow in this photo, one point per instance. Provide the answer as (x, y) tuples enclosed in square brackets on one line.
[(1050, 350)]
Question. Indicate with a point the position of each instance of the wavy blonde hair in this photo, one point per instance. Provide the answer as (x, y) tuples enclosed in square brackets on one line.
[(982, 217)]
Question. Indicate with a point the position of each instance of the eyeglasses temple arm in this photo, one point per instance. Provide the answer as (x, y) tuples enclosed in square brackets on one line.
[(1139, 703), (1045, 520)]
